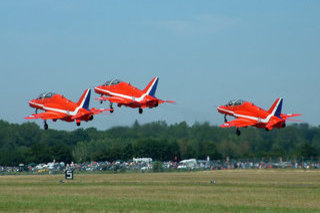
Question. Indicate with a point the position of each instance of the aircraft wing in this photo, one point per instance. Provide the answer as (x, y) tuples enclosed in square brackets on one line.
[(46, 116), (239, 122), (115, 99)]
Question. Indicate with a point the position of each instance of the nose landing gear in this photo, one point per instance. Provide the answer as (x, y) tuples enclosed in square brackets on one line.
[(140, 110), (111, 108), (45, 125), (238, 132)]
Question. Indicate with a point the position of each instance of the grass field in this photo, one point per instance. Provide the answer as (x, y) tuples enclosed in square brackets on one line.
[(234, 191)]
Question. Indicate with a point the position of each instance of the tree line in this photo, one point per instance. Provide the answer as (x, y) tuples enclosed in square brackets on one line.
[(26, 143)]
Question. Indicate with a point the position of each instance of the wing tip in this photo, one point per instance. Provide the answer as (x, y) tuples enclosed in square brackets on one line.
[(30, 117), (225, 125)]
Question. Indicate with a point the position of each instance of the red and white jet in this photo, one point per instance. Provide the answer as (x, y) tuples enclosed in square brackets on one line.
[(247, 114), (58, 107), (123, 93)]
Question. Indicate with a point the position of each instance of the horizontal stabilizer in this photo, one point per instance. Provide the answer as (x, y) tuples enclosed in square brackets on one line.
[(95, 111), (286, 116), (292, 115), (165, 101), (172, 102)]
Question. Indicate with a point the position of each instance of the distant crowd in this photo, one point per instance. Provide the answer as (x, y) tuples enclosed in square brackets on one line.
[(147, 164)]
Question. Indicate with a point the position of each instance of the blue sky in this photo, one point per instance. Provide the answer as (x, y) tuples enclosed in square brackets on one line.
[(204, 52)]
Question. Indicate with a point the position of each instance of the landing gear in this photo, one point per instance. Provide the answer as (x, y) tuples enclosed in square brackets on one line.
[(37, 111), (45, 125), (267, 129), (101, 101), (140, 110), (225, 119), (78, 123), (238, 132), (156, 104), (111, 108)]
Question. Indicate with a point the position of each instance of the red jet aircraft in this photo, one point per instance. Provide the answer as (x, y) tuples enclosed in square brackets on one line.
[(247, 114), (58, 107), (125, 94)]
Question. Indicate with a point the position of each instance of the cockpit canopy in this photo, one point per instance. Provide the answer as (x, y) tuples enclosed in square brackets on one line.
[(237, 102), (46, 95), (112, 82)]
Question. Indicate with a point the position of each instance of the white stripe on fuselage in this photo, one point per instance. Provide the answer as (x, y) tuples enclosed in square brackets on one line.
[(260, 120), (131, 98)]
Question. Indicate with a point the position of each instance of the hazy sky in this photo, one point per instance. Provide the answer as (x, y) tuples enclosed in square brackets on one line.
[(204, 52)]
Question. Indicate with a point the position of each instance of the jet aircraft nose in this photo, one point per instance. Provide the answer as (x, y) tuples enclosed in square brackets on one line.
[(32, 103), (35, 103), (96, 89), (221, 109)]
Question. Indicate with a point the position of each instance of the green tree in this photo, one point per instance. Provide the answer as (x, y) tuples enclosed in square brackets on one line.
[(80, 152)]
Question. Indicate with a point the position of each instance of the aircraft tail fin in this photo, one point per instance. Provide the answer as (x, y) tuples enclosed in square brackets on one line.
[(276, 108), (85, 99), (152, 87)]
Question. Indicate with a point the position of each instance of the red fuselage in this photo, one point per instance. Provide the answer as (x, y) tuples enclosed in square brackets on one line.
[(59, 104), (260, 117), (128, 95)]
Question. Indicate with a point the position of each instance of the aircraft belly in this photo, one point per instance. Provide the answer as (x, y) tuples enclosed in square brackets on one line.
[(133, 105), (67, 118), (260, 125)]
